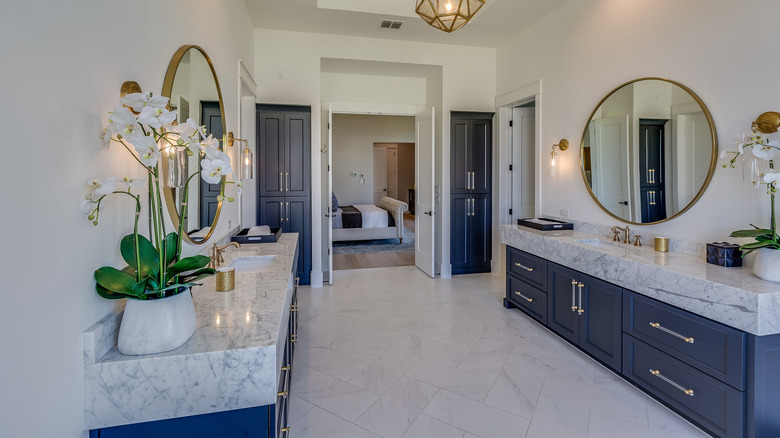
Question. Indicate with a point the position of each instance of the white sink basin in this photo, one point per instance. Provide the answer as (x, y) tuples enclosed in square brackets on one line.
[(600, 243), (262, 263)]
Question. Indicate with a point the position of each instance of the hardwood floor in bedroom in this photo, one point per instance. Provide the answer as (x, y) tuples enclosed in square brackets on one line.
[(376, 259)]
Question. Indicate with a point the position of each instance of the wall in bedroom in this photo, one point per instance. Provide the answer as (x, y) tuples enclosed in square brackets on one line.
[(354, 136), (585, 48), (65, 62), (405, 171)]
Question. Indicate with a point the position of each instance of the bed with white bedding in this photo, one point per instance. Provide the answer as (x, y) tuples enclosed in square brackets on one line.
[(369, 222)]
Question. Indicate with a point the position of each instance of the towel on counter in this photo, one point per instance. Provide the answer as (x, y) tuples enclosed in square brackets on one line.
[(260, 230), (200, 234)]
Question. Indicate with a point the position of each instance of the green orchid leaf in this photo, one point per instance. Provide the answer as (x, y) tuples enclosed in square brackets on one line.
[(175, 286), (751, 233), (197, 275), (758, 245), (188, 264), (171, 240), (109, 295), (115, 280), (141, 287), (148, 254)]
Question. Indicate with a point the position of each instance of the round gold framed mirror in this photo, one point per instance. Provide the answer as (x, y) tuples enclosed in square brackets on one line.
[(192, 85), (648, 151)]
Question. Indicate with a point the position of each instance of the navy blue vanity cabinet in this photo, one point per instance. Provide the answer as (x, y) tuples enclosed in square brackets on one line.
[(239, 423), (471, 145), (586, 311), (284, 174)]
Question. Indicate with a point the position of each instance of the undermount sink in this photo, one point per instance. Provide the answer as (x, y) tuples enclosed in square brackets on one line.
[(599, 242), (262, 263)]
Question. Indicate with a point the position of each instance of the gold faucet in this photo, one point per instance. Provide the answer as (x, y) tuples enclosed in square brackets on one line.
[(616, 229), (216, 254)]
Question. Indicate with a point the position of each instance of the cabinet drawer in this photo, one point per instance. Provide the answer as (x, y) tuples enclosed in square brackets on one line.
[(711, 403), (707, 345), (528, 298), (527, 267)]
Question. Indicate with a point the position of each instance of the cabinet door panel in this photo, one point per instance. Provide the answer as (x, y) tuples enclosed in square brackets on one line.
[(480, 155), (298, 220), (459, 156), (460, 208), (561, 318), (271, 156), (480, 240), (298, 141), (272, 212), (600, 323)]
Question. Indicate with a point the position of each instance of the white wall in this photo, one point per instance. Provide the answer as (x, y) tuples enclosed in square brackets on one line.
[(585, 48), (64, 63), (354, 136), (339, 87), (468, 83)]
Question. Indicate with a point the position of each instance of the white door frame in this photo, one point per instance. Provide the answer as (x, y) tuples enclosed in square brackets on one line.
[(246, 129), (502, 198)]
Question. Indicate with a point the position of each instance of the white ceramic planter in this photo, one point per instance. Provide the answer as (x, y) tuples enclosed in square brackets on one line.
[(156, 326), (766, 265)]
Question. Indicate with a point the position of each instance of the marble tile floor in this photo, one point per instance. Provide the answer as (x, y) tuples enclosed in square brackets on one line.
[(392, 353)]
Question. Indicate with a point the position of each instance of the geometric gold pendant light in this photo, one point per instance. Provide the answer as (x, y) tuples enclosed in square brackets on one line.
[(448, 15)]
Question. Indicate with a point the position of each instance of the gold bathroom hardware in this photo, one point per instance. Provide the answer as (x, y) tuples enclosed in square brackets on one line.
[(573, 292), (231, 139), (616, 229), (580, 310), (658, 374), (637, 240), (520, 265), (666, 330), (530, 300), (282, 394), (285, 368), (216, 254), (285, 429), (767, 122)]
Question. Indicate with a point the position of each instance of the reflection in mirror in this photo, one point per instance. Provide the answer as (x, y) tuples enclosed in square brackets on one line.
[(648, 151), (192, 85)]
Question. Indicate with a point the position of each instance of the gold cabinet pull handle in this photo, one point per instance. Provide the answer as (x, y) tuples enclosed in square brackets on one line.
[(580, 310), (285, 368), (530, 300), (573, 302), (282, 394), (284, 429), (294, 338), (520, 265), (658, 374), (666, 330)]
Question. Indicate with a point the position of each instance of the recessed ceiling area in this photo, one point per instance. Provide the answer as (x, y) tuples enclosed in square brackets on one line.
[(496, 22)]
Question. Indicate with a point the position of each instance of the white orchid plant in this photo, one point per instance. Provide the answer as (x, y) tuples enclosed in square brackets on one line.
[(763, 173), (143, 125)]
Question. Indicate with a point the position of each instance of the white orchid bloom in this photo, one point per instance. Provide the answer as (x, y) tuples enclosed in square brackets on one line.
[(189, 129), (772, 179), (215, 165), (156, 117), (86, 206), (108, 132), (147, 150), (124, 122), (139, 101), (210, 141), (213, 153), (133, 183), (101, 186), (767, 151)]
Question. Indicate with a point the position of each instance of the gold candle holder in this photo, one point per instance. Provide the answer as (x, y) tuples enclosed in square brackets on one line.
[(661, 244), (226, 279)]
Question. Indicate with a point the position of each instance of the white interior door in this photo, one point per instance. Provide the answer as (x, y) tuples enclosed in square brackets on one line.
[(424, 177), (609, 159), (522, 161), (392, 172), (380, 173), (330, 191)]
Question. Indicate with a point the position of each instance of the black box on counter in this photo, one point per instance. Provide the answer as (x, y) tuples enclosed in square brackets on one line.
[(242, 238), (545, 224), (724, 254)]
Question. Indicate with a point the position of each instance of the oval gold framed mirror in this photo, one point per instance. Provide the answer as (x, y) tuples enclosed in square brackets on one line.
[(192, 85), (648, 151)]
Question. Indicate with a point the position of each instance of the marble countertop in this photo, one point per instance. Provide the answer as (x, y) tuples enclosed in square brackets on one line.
[(230, 362), (732, 296)]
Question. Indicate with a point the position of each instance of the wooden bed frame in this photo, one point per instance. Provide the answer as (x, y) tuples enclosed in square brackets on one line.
[(395, 207)]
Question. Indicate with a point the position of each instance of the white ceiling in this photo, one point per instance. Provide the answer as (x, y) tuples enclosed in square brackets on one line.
[(496, 22)]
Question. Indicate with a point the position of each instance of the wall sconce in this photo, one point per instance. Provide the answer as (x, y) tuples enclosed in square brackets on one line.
[(767, 122), (562, 146), (246, 156)]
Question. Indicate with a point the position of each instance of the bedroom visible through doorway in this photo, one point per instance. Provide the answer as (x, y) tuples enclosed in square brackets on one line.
[(373, 187)]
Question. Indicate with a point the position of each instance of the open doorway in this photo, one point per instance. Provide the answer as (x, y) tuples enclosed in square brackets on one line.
[(373, 187)]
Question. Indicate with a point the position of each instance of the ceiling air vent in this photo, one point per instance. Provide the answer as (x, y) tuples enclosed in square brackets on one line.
[(390, 24)]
